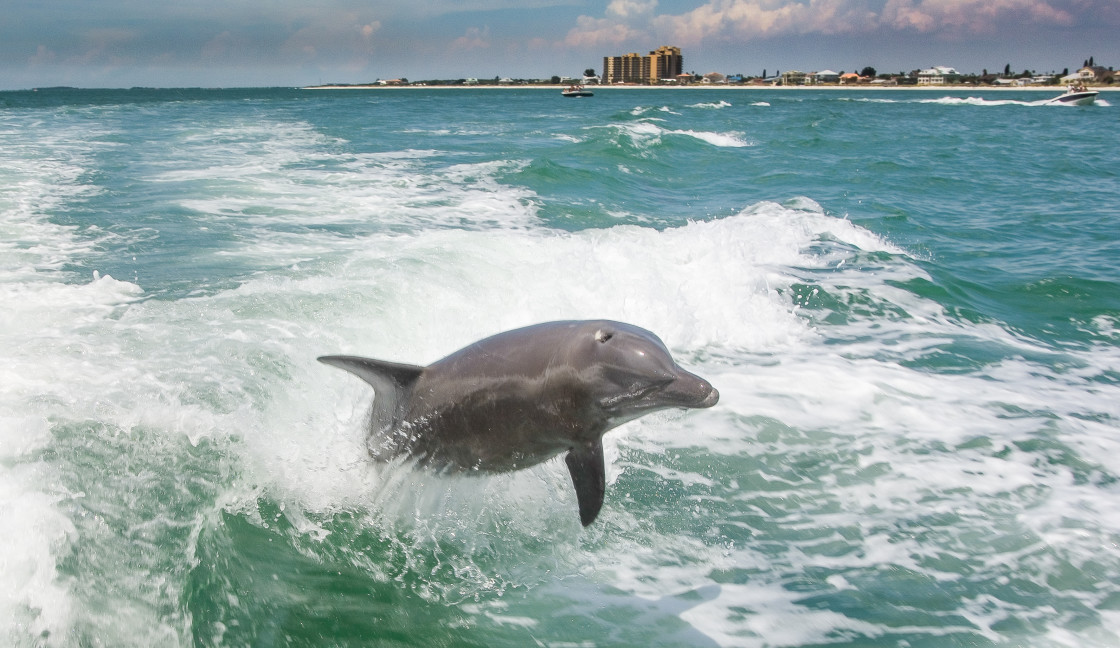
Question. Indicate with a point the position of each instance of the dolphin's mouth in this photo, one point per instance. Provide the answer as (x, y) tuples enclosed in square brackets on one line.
[(687, 391), (711, 399), (692, 394)]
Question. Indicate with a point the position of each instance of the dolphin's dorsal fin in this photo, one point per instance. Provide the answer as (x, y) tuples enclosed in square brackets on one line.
[(390, 381), (585, 463)]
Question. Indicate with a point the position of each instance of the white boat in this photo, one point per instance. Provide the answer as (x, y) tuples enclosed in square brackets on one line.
[(1075, 96), (577, 91)]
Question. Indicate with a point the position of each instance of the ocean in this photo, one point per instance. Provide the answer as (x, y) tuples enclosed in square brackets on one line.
[(909, 302)]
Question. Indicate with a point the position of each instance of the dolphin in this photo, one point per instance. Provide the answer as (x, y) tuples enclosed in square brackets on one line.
[(521, 397)]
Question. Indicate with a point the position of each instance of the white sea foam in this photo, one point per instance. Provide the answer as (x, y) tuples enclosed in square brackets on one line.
[(712, 105), (979, 101), (734, 140), (40, 312), (646, 133), (301, 179)]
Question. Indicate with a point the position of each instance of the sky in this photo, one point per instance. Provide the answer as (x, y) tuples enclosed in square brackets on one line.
[(244, 43)]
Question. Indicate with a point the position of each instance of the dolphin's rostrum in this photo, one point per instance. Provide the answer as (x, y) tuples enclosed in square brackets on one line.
[(521, 397)]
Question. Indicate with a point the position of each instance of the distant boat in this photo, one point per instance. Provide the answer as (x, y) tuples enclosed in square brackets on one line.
[(1075, 96), (577, 91)]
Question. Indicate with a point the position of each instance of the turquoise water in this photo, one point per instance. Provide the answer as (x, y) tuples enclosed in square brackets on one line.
[(909, 301)]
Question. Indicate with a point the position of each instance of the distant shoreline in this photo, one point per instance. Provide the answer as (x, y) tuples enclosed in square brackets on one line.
[(923, 88)]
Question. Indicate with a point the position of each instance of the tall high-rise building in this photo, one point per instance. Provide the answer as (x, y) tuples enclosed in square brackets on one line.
[(663, 63), (628, 68)]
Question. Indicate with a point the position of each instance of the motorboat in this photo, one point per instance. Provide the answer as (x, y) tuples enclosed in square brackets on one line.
[(576, 91), (1075, 96)]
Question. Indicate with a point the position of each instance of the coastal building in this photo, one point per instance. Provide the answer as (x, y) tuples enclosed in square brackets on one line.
[(1094, 74), (938, 75), (826, 76), (794, 78), (664, 62), (628, 68)]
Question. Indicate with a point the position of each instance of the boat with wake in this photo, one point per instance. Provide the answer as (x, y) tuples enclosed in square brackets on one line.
[(1076, 95), (576, 91)]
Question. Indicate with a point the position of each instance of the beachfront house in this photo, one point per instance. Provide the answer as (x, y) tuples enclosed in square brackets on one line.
[(1094, 74), (937, 75), (826, 76), (794, 78)]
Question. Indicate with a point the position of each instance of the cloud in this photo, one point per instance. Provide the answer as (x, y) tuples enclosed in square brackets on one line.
[(597, 32), (42, 56), (219, 47), (626, 20), (631, 8), (343, 37), (970, 16), (762, 18), (473, 39)]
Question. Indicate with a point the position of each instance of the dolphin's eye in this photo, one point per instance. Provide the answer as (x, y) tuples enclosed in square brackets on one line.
[(603, 337)]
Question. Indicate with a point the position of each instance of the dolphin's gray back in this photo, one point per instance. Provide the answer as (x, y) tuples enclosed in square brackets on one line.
[(392, 383)]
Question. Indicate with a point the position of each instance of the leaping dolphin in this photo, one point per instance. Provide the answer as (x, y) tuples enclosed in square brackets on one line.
[(519, 398)]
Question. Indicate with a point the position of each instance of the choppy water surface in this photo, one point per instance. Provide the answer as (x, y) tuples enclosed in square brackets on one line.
[(909, 301)]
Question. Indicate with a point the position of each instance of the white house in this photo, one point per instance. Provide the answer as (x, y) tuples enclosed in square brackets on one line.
[(936, 75), (794, 78), (826, 76), (1096, 74)]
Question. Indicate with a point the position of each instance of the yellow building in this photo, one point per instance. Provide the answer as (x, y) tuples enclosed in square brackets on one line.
[(628, 68), (665, 63), (662, 63)]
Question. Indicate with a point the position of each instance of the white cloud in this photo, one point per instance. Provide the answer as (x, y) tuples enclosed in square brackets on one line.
[(43, 56), (631, 8), (346, 38), (752, 18), (971, 16), (744, 19), (597, 32), (368, 30), (474, 39)]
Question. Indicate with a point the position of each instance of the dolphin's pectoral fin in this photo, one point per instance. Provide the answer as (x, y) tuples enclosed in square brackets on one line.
[(585, 463)]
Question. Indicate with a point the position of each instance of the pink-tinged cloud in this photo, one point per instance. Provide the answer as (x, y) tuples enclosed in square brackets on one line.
[(597, 32), (753, 18), (43, 56), (970, 16), (631, 8), (473, 39), (738, 19), (368, 30), (346, 37)]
